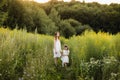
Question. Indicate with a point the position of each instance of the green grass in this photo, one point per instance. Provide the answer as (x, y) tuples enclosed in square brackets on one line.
[(29, 56)]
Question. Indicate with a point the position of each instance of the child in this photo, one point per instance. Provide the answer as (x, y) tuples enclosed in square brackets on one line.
[(64, 56)]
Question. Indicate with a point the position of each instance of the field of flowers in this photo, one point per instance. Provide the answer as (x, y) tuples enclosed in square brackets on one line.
[(28, 56)]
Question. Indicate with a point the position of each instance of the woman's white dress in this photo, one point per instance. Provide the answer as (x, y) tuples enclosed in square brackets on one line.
[(57, 48), (65, 58)]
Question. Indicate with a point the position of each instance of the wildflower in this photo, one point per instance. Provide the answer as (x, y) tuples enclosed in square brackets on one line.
[(0, 59), (113, 74), (20, 79)]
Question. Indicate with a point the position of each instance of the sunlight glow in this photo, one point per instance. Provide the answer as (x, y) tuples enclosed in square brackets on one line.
[(99, 1), (41, 1), (67, 0), (104, 1)]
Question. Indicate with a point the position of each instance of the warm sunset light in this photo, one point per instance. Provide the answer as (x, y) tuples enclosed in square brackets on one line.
[(99, 1), (41, 1)]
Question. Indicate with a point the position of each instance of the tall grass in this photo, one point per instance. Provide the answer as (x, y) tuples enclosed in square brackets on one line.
[(92, 45), (98, 46), (29, 56), (25, 55)]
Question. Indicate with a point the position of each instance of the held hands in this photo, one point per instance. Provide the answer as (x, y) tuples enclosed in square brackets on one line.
[(61, 53)]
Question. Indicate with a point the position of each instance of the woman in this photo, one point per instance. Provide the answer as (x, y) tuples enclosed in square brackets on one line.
[(57, 47)]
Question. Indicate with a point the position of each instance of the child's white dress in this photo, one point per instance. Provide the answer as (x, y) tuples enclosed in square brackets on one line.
[(65, 58), (57, 48)]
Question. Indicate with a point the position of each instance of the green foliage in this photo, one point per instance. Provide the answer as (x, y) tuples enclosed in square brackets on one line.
[(93, 56), (115, 46), (105, 69), (25, 55), (66, 29), (99, 17), (15, 14), (79, 28), (55, 17), (64, 26), (95, 47), (3, 11), (31, 16), (3, 4), (91, 45), (43, 23), (3, 17), (50, 17)]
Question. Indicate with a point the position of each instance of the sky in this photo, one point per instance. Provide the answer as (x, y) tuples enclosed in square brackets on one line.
[(99, 1)]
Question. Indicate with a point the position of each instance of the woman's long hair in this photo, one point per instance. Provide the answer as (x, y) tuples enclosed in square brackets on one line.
[(55, 36)]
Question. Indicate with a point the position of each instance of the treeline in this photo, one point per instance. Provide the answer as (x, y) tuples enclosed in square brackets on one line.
[(70, 18)]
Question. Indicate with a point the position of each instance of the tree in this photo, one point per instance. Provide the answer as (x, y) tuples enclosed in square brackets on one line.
[(31, 16), (3, 17), (3, 11), (66, 29), (55, 17), (3, 4), (52, 16), (79, 27), (15, 14), (43, 22)]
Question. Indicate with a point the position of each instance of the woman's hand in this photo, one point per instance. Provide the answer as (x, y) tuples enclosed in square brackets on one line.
[(55, 52)]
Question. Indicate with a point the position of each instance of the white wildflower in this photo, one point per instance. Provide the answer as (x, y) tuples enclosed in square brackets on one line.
[(0, 59)]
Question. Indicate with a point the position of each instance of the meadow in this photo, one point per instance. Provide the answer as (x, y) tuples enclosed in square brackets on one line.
[(29, 56)]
